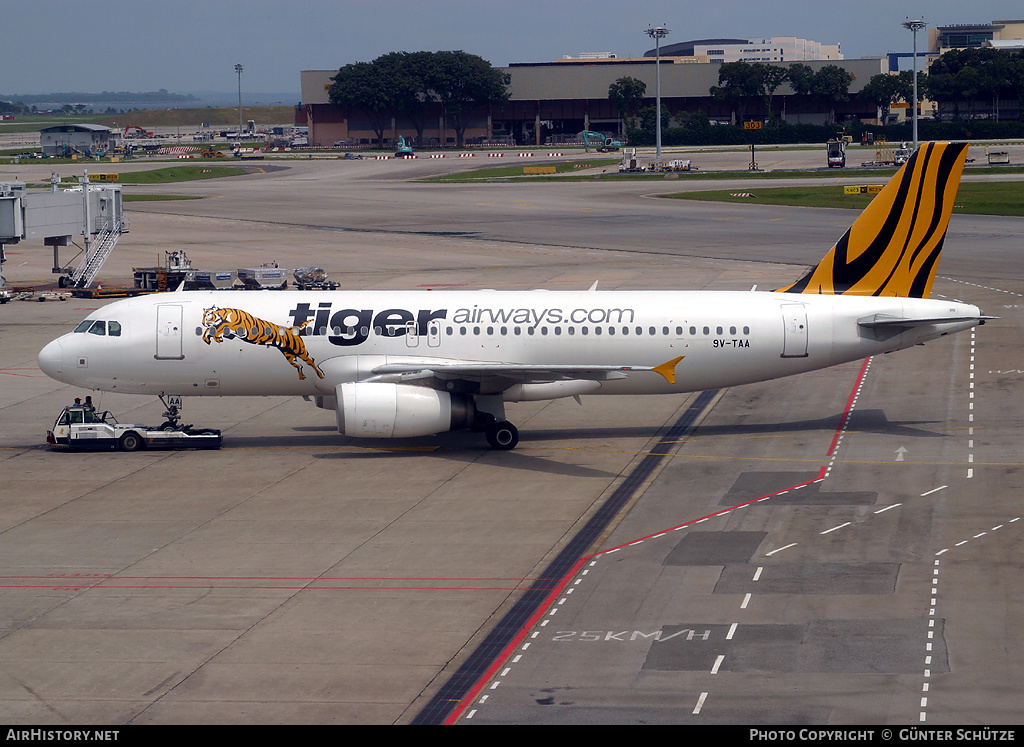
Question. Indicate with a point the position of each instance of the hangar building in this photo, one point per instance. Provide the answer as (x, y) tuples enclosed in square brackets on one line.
[(60, 140), (552, 101)]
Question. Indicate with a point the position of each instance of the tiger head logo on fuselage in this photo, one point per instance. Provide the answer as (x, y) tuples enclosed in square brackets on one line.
[(221, 323)]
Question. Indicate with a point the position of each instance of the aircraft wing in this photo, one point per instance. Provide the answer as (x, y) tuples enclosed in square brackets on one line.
[(517, 373)]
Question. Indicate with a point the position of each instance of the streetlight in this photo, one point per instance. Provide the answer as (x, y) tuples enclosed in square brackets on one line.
[(238, 69), (915, 26), (657, 33)]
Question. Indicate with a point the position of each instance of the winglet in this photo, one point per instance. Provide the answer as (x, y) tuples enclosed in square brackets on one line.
[(668, 369)]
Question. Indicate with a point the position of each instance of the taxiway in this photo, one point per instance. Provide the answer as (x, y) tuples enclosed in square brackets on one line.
[(841, 547)]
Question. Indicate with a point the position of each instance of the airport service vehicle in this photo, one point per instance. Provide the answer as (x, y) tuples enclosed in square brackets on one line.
[(399, 364), (81, 427), (313, 278), (836, 153), (630, 164)]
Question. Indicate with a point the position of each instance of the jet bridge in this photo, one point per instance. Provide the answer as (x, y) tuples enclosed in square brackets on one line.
[(92, 211)]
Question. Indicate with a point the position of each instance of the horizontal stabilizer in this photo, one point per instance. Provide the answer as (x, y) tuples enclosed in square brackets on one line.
[(885, 320)]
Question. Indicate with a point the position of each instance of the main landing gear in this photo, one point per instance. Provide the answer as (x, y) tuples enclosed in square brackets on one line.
[(501, 434)]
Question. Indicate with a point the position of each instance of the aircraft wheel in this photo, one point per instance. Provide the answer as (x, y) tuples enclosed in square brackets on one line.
[(503, 436), (131, 441)]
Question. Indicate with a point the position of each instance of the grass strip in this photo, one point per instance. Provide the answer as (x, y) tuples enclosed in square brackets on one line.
[(979, 198)]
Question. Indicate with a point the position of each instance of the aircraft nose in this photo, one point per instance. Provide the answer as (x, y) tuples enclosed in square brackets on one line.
[(51, 360)]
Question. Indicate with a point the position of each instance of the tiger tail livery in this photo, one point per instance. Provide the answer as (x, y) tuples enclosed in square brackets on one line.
[(893, 247)]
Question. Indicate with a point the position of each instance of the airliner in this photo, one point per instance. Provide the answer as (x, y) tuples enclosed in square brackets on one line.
[(400, 364)]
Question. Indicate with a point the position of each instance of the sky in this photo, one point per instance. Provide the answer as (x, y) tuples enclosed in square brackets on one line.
[(193, 45)]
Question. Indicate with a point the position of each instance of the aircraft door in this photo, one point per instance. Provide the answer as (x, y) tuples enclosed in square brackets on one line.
[(794, 330), (168, 332), (412, 338), (434, 333)]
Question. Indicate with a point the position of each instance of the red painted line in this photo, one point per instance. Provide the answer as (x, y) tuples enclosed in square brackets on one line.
[(849, 407), (101, 581), (542, 609), (304, 579), (257, 587), (500, 660)]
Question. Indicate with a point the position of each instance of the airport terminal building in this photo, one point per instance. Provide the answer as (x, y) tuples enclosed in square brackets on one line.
[(552, 101)]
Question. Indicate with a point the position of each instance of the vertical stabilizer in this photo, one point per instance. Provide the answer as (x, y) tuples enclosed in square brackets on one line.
[(893, 247)]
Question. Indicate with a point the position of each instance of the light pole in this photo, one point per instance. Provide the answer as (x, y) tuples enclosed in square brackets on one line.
[(657, 33), (915, 26), (238, 69)]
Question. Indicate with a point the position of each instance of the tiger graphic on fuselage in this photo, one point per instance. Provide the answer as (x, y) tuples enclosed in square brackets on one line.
[(243, 325)]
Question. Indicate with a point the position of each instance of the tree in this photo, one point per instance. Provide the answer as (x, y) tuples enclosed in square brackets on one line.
[(627, 93), (738, 82), (884, 90), (463, 84), (409, 73), (415, 84), (772, 76), (801, 78), (963, 76), (365, 87), (832, 83)]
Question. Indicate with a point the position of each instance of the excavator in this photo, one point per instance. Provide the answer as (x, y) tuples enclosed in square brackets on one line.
[(600, 142), (404, 149)]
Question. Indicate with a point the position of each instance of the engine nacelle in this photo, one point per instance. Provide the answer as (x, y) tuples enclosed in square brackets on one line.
[(379, 410)]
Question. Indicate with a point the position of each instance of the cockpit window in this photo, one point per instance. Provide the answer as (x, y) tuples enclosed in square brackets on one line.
[(100, 327)]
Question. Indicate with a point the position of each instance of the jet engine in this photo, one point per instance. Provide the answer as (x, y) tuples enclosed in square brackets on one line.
[(381, 410)]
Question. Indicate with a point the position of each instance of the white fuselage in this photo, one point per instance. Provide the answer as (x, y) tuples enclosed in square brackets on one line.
[(168, 343)]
